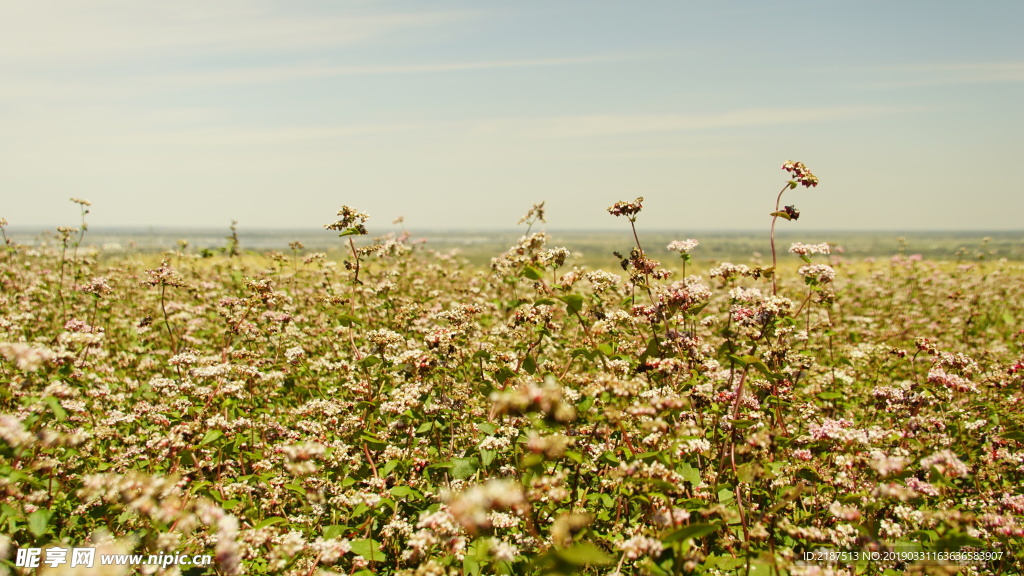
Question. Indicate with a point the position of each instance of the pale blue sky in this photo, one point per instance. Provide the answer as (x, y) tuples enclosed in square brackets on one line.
[(461, 114)]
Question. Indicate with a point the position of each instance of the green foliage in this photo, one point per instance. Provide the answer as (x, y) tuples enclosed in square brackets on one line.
[(530, 417)]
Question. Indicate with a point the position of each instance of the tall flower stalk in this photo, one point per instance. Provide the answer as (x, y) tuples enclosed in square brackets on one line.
[(351, 223), (163, 277), (801, 176)]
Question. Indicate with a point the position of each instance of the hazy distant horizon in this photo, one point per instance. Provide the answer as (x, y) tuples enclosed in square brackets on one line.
[(596, 245), (243, 230)]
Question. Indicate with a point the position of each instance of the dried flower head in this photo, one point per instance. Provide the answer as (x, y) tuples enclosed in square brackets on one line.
[(84, 203), (163, 276), (97, 287), (628, 209), (352, 222), (801, 175), (790, 212), (536, 213)]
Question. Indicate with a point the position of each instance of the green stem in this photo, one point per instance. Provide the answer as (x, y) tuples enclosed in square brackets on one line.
[(775, 217)]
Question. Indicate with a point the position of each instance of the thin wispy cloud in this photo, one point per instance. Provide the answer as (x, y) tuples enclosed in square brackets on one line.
[(105, 31), (941, 74), (278, 74), (612, 124), (120, 87)]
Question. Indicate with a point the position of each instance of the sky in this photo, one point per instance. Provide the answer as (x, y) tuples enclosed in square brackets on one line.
[(461, 115)]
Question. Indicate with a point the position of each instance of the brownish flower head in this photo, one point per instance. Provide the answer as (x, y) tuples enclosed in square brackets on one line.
[(163, 276), (628, 209), (536, 213), (800, 173), (351, 222)]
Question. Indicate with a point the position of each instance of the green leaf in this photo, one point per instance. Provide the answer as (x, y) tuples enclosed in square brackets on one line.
[(503, 374), (782, 214), (725, 563), (737, 360), (367, 437), (747, 472), (651, 350), (532, 273), (38, 521), (726, 496), (346, 320), (463, 468), (689, 473), (1017, 435), (692, 531), (370, 361), (584, 554), (529, 364), (545, 301), (211, 436), (296, 488), (425, 427), (367, 548), (764, 370), (808, 474), (530, 460), (831, 395), (56, 408), (389, 466), (573, 303), (334, 531), (487, 456), (406, 492), (958, 541), (470, 566), (925, 535)]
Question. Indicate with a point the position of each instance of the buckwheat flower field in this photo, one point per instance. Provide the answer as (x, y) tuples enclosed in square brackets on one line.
[(402, 412)]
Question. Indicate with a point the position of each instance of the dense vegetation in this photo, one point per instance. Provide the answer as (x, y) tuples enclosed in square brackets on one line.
[(404, 412)]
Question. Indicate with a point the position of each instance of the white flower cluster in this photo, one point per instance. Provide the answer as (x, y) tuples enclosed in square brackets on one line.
[(25, 357), (472, 507), (638, 546), (602, 280), (745, 295), (727, 270), (885, 464), (685, 294), (946, 462), (809, 249), (821, 273), (683, 246)]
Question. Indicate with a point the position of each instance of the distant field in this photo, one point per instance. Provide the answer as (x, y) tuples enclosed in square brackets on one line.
[(590, 249)]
